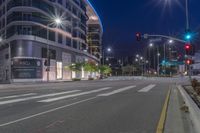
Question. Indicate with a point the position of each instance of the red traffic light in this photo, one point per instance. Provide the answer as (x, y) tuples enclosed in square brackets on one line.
[(188, 46), (189, 62), (138, 36), (189, 49)]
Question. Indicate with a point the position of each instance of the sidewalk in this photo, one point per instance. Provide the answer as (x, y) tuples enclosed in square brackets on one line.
[(177, 121)]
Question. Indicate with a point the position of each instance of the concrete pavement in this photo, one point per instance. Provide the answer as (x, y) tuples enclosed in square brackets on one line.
[(132, 106), (177, 121)]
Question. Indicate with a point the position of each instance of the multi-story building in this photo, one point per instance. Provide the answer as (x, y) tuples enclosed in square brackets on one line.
[(94, 33), (34, 48)]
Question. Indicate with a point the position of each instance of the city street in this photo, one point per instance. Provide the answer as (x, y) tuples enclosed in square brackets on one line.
[(129, 106), (99, 66)]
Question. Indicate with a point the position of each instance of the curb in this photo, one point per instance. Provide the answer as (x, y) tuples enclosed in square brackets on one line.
[(193, 109), (161, 123)]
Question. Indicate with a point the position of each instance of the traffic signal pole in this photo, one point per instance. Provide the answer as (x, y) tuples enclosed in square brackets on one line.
[(187, 29), (187, 14), (146, 36)]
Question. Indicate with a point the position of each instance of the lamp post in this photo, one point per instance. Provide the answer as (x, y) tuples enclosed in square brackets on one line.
[(150, 61), (158, 67), (105, 50), (58, 22)]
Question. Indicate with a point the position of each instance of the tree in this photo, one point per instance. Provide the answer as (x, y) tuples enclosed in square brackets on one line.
[(90, 67), (76, 67), (105, 69)]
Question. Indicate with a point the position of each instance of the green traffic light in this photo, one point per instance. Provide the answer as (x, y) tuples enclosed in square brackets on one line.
[(188, 37)]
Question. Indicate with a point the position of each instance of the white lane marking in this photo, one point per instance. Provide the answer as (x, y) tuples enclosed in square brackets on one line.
[(45, 112), (16, 96), (36, 97), (117, 91), (147, 88), (73, 95)]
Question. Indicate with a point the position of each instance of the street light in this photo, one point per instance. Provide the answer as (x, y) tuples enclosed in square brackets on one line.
[(151, 45), (171, 41), (109, 50), (103, 52), (57, 21), (137, 55)]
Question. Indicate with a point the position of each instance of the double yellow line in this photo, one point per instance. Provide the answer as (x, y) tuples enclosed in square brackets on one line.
[(161, 123)]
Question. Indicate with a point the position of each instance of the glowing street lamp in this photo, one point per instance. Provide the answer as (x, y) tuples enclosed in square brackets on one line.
[(57, 21), (171, 41), (151, 45), (109, 49)]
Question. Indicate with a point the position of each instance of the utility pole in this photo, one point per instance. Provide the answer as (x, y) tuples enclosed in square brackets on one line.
[(188, 29)]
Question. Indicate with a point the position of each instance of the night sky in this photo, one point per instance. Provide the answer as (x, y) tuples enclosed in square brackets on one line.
[(123, 18)]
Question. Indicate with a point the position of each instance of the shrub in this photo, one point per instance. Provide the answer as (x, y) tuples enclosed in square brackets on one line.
[(76, 79), (194, 83), (90, 78)]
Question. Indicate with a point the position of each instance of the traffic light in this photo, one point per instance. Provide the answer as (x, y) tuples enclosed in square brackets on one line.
[(189, 62), (188, 35), (138, 36), (188, 49)]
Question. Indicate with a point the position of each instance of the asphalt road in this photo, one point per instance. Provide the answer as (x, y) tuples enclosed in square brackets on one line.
[(132, 106)]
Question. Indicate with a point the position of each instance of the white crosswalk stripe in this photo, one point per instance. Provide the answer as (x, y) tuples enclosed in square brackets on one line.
[(46, 98), (147, 88), (36, 97), (16, 96), (74, 95), (117, 91)]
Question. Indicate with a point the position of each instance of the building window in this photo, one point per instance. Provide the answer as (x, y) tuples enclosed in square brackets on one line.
[(27, 30), (27, 16), (68, 41), (51, 35), (60, 38), (52, 53)]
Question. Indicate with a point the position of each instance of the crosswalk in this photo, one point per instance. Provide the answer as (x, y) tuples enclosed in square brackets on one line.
[(53, 97)]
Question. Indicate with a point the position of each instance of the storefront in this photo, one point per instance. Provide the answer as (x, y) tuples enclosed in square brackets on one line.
[(23, 68)]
